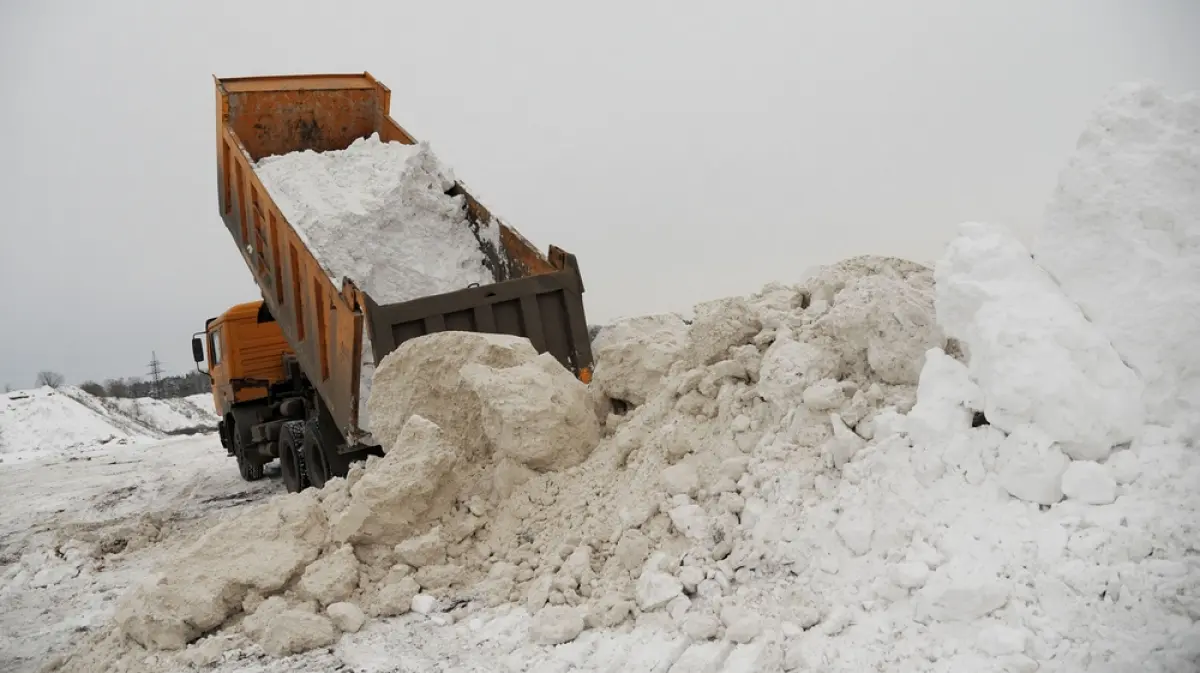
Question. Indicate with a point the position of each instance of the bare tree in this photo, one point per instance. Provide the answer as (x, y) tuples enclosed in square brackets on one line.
[(117, 388), (7, 388), (92, 388), (49, 378)]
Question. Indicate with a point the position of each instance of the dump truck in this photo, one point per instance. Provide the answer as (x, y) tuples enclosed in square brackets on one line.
[(287, 370)]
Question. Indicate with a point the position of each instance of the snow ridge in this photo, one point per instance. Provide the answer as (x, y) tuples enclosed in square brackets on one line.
[(46, 420)]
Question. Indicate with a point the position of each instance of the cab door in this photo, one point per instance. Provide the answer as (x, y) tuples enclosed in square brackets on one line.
[(219, 367)]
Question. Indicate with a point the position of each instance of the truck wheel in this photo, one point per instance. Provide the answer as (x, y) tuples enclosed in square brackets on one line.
[(314, 458), (291, 456), (249, 469)]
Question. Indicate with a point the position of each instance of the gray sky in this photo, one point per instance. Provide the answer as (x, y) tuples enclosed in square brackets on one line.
[(684, 151)]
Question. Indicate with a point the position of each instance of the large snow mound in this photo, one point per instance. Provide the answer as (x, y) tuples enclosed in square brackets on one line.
[(377, 213), (46, 421), (1122, 238), (184, 415)]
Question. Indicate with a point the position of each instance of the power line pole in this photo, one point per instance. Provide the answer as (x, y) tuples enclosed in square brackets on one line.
[(156, 376)]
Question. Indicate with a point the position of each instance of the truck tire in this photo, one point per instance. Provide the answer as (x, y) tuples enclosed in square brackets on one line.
[(291, 456), (324, 462), (315, 457), (251, 470)]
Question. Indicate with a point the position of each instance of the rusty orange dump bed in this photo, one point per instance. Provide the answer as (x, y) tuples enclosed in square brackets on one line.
[(537, 296)]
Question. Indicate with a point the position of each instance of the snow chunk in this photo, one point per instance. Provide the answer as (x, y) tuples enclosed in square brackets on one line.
[(536, 413), (1122, 238), (840, 449), (556, 625), (423, 376), (424, 604), (680, 479), (824, 395), (395, 599), (406, 484), (718, 326), (609, 612), (655, 589), (1036, 357), (946, 397), (1089, 482), (691, 521), (700, 625), (423, 550), (332, 577), (633, 355), (293, 631), (1030, 466), (346, 616), (741, 625), (788, 368)]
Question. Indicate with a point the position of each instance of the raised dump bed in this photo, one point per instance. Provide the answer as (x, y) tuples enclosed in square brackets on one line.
[(334, 327)]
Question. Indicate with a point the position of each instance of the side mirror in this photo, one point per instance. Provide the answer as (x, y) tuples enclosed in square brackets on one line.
[(197, 350)]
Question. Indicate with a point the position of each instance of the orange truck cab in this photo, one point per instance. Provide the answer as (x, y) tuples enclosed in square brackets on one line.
[(247, 354)]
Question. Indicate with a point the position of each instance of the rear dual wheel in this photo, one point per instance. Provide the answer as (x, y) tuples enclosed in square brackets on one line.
[(291, 457), (249, 469), (315, 459), (306, 462)]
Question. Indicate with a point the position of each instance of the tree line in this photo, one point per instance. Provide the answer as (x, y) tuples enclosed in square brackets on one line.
[(179, 385)]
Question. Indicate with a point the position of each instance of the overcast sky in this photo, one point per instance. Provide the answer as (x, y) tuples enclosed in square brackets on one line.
[(684, 151)]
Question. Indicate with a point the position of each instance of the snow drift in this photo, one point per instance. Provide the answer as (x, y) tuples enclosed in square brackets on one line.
[(45, 421)]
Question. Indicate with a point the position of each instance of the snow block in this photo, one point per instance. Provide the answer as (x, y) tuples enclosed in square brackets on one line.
[(1036, 357)]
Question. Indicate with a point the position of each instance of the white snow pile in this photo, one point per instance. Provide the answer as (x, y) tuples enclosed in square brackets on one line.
[(866, 471), (1122, 239), (377, 213), (46, 421), (172, 416)]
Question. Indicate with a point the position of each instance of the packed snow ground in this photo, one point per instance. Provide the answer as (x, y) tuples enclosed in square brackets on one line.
[(881, 468), (47, 421), (79, 528)]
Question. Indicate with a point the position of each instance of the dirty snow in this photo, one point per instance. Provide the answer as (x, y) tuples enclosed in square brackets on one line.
[(883, 467)]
